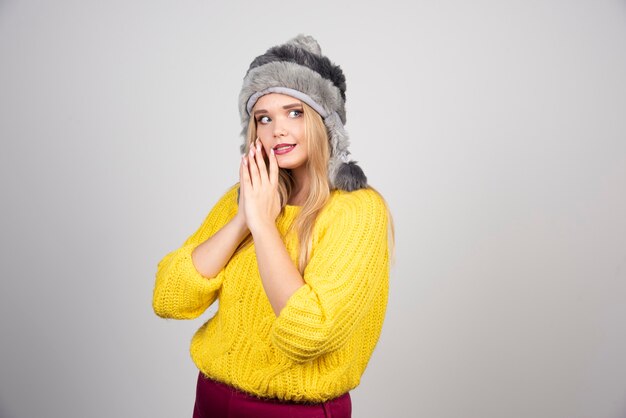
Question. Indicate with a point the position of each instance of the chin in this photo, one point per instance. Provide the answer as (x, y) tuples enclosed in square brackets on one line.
[(288, 166)]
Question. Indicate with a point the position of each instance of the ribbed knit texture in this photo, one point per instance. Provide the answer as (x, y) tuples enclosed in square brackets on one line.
[(319, 345)]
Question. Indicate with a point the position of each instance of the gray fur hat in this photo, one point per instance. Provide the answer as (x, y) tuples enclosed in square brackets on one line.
[(298, 69)]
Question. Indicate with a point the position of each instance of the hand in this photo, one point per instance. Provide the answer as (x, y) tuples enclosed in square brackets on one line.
[(259, 195), (240, 217)]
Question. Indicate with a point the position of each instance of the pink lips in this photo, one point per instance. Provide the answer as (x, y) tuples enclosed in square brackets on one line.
[(281, 149)]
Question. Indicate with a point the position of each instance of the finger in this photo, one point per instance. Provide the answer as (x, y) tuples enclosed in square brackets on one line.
[(261, 161), (264, 153), (253, 168), (242, 167), (244, 175), (273, 168)]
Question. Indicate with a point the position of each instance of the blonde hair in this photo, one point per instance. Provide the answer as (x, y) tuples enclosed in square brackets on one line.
[(317, 141)]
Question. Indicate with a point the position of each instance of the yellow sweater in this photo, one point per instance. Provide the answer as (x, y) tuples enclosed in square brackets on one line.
[(319, 345)]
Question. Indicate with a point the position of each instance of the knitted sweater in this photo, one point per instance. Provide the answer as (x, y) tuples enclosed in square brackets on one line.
[(317, 348)]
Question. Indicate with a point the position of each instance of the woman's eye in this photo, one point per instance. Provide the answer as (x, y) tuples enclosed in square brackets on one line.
[(263, 119), (295, 113)]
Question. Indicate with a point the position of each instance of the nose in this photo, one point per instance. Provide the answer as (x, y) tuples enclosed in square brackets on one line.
[(279, 129)]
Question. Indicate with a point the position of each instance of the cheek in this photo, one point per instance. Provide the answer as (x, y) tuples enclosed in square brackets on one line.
[(263, 132), (297, 130)]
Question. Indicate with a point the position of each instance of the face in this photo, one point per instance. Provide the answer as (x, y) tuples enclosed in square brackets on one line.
[(280, 126)]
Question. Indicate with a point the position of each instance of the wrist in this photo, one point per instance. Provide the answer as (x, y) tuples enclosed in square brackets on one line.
[(262, 228), (239, 222)]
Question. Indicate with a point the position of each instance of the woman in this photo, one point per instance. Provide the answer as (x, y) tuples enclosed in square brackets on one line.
[(297, 253)]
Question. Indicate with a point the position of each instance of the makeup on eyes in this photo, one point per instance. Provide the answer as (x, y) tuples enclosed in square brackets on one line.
[(259, 114)]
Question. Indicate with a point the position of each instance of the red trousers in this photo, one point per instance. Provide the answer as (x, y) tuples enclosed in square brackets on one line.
[(217, 400)]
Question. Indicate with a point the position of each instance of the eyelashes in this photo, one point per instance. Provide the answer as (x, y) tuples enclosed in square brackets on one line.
[(294, 113)]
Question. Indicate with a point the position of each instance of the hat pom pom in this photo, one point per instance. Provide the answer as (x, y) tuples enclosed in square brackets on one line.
[(350, 177), (308, 43)]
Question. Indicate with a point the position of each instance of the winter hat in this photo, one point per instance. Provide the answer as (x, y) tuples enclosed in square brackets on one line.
[(298, 69)]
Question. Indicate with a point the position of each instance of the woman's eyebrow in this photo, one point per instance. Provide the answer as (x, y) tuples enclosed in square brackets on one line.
[(289, 106)]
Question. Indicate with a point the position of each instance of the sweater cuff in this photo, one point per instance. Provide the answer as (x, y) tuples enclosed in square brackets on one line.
[(301, 330), (181, 292)]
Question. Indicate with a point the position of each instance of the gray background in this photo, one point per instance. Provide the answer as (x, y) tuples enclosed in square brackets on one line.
[(495, 129)]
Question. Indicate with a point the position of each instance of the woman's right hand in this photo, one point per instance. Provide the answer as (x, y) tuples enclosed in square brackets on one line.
[(240, 217), (260, 189)]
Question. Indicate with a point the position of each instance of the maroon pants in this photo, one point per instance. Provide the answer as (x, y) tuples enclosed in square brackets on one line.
[(217, 400)]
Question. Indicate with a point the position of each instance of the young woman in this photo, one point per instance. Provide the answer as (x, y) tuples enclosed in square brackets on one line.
[(297, 253)]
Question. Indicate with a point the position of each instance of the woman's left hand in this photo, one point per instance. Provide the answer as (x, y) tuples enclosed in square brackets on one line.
[(260, 187)]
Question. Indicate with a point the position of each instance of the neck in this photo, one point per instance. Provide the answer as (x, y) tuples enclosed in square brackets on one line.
[(301, 186)]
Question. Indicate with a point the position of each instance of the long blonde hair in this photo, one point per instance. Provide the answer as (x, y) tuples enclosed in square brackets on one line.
[(316, 138)]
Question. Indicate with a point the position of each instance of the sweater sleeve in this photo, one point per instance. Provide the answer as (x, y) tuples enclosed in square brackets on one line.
[(346, 275), (180, 291)]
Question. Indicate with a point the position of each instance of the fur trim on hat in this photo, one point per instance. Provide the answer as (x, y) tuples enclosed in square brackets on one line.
[(296, 77)]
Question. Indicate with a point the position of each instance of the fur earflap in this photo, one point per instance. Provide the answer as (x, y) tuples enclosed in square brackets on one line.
[(350, 177)]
